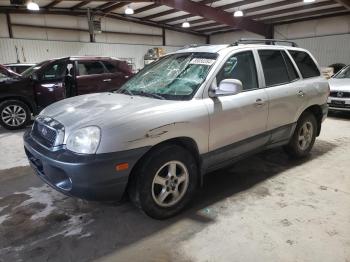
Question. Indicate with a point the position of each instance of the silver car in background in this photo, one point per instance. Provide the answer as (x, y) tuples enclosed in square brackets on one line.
[(339, 97), (191, 112)]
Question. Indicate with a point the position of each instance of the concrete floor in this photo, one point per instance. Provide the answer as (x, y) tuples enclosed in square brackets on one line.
[(265, 208)]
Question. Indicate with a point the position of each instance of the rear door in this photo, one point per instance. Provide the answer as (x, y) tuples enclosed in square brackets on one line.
[(115, 77), (282, 84), (91, 77)]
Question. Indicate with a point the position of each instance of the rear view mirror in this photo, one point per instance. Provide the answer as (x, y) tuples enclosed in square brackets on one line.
[(227, 87)]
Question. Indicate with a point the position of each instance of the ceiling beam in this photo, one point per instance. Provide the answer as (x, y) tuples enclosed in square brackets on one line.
[(81, 4), (345, 3), (168, 12), (270, 6), (216, 29), (219, 16), (237, 4), (205, 26), (146, 8), (53, 3), (306, 14), (293, 9), (115, 6), (176, 18), (346, 12)]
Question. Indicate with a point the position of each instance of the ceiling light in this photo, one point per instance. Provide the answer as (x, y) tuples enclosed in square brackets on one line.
[(32, 6), (309, 1), (238, 13), (186, 24), (129, 11)]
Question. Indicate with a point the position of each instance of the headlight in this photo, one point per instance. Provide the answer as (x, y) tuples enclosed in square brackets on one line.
[(84, 140)]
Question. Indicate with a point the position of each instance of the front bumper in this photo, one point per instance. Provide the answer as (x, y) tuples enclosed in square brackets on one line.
[(91, 177)]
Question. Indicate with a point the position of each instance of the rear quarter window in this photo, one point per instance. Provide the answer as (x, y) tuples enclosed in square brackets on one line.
[(306, 65)]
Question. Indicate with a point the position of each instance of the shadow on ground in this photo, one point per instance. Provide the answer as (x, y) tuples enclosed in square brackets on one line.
[(39, 224)]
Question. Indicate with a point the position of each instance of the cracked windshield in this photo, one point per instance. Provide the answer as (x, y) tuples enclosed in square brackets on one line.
[(174, 77)]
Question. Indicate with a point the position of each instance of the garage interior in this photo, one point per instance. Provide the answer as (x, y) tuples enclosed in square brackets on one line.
[(266, 207)]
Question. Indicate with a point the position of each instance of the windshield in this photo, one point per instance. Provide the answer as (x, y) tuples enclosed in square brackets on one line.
[(173, 77), (344, 73), (29, 71)]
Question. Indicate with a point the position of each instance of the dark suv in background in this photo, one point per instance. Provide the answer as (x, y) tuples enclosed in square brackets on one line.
[(53, 80)]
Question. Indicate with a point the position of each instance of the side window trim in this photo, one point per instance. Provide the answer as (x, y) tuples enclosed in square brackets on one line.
[(294, 64), (285, 62)]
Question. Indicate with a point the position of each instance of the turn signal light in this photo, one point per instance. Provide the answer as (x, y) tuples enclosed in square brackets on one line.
[(122, 166)]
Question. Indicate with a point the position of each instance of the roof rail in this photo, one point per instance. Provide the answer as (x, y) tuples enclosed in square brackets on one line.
[(262, 40)]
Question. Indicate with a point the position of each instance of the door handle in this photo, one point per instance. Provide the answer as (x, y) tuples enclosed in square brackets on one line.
[(259, 102), (300, 93), (107, 80)]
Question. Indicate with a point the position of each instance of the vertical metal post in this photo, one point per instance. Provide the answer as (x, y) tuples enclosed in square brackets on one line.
[(91, 26), (163, 36), (9, 25), (207, 40)]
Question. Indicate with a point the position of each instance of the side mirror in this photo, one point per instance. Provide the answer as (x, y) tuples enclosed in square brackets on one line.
[(34, 77), (227, 87)]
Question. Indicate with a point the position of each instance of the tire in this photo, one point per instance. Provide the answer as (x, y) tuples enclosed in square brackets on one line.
[(152, 181), (14, 114), (303, 138)]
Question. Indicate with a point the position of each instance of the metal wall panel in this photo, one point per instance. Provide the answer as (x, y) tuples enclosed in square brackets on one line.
[(23, 50), (328, 49)]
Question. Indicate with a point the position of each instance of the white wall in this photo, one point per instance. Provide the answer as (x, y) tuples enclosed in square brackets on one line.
[(230, 37), (124, 39), (327, 38)]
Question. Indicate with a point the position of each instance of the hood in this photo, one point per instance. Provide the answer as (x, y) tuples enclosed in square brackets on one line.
[(102, 109), (339, 84)]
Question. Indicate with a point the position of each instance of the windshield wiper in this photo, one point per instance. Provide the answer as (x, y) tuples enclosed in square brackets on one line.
[(127, 91), (143, 93)]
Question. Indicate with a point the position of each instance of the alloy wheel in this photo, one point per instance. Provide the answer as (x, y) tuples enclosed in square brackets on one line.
[(13, 115), (305, 135), (170, 183)]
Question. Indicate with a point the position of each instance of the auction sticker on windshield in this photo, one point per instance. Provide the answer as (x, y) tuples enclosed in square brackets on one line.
[(202, 61)]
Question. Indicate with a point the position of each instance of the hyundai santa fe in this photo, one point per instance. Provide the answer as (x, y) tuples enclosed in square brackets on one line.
[(189, 113)]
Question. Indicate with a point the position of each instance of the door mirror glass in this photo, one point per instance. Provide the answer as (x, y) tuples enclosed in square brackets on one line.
[(227, 87)]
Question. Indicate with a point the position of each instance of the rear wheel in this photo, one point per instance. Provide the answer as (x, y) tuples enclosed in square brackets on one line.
[(164, 182), (14, 114), (304, 136)]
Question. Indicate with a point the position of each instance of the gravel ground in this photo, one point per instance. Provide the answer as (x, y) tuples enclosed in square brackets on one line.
[(264, 208)]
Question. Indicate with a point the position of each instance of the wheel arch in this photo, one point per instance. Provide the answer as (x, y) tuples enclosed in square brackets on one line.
[(30, 104), (185, 142)]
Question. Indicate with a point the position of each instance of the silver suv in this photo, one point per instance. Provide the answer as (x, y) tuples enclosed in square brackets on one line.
[(190, 112)]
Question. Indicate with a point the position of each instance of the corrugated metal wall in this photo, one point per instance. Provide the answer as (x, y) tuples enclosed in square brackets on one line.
[(25, 50), (328, 49)]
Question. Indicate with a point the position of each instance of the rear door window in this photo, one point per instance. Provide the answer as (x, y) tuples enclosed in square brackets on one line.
[(274, 67), (112, 68), (90, 68), (305, 64)]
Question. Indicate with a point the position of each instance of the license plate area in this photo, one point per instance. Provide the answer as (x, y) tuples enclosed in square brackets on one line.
[(337, 102)]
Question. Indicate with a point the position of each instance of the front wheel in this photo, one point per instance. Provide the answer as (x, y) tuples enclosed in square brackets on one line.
[(164, 182), (303, 138), (14, 114)]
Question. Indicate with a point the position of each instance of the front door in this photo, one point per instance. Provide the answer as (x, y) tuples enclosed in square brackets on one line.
[(49, 87), (238, 122)]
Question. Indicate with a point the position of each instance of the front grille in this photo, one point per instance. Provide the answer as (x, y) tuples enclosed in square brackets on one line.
[(340, 94), (45, 131)]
